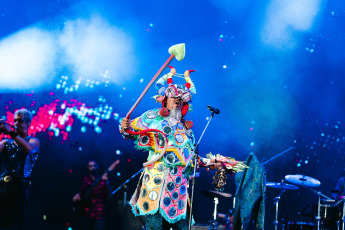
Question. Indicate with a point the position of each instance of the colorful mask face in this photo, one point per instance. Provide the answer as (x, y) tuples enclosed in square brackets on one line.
[(178, 91), (175, 90)]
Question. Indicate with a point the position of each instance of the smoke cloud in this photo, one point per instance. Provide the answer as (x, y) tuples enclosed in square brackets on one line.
[(26, 59), (87, 48), (284, 17)]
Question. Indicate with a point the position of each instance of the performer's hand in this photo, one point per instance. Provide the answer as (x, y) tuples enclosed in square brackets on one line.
[(216, 166), (105, 176), (125, 123), (4, 127), (215, 163), (224, 160), (76, 197)]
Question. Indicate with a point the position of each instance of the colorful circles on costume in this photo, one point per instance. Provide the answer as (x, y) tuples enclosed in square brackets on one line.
[(167, 201), (146, 178), (164, 123), (183, 190), (151, 114), (160, 167), (180, 126), (143, 192), (172, 121), (170, 186), (167, 130), (174, 170), (146, 206), (172, 212), (144, 140), (189, 132), (157, 180), (160, 141), (153, 195), (170, 158), (179, 138), (175, 195), (180, 204), (178, 180), (183, 175), (186, 152), (144, 123)]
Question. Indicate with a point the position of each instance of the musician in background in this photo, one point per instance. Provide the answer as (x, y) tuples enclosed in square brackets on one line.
[(339, 190), (92, 198), (17, 158)]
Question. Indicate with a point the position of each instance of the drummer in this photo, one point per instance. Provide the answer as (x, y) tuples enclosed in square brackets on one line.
[(339, 190)]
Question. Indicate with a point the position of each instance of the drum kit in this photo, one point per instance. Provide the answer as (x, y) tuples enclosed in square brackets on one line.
[(226, 219), (330, 213), (327, 214)]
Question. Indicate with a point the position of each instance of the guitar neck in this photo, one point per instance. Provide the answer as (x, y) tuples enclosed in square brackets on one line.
[(97, 181)]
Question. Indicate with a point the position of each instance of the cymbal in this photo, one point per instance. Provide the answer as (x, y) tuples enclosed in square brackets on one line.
[(281, 185), (212, 193), (302, 180), (327, 201)]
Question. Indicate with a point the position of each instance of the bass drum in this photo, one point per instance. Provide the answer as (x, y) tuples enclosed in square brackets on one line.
[(301, 226)]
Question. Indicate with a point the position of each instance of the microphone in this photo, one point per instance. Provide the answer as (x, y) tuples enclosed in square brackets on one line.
[(5, 123), (214, 110)]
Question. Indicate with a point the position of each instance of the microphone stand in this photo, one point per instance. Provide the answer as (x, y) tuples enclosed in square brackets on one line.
[(124, 185), (195, 158)]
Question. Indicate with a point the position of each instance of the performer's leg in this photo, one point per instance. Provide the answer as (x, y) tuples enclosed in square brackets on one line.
[(85, 223), (98, 224), (180, 225), (154, 222), (12, 206)]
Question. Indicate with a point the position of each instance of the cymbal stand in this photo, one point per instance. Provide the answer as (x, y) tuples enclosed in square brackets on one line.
[(214, 224), (279, 154), (343, 215), (342, 201), (276, 202), (318, 217)]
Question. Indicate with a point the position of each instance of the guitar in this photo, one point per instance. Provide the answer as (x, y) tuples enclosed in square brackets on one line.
[(80, 200)]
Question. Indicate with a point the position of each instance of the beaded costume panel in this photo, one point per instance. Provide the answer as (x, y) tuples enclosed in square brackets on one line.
[(163, 186)]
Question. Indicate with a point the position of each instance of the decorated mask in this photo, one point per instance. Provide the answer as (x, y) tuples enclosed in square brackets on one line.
[(176, 90)]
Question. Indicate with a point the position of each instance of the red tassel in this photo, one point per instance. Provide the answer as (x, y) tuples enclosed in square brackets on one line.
[(170, 81), (187, 85), (188, 124), (164, 112)]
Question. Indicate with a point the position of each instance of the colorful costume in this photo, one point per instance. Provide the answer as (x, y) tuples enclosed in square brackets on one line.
[(163, 185), (170, 142)]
